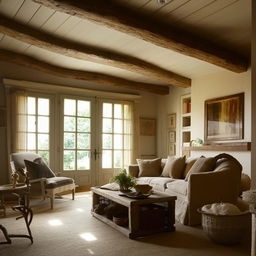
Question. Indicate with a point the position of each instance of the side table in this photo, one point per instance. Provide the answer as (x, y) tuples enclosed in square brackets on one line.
[(22, 192)]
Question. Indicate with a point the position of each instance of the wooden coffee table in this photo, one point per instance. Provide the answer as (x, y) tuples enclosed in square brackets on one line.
[(134, 211)]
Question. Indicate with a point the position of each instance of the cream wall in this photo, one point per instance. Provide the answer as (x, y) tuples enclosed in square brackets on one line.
[(147, 108), (203, 88), (218, 85), (168, 105)]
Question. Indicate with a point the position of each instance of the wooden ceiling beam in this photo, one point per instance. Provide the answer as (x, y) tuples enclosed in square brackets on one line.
[(29, 62), (115, 16), (89, 53)]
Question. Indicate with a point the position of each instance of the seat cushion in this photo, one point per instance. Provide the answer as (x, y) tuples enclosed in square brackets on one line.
[(143, 180), (56, 182), (178, 186), (160, 183)]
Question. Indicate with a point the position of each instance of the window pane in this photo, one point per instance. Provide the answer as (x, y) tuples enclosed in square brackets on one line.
[(31, 141), (43, 106), (107, 110), (83, 108), (43, 124), (69, 140), (118, 128), (44, 155), (43, 141), (118, 143), (117, 159), (69, 107), (31, 105), (83, 141), (83, 124), (69, 160), (107, 159), (31, 122), (69, 124), (118, 111), (107, 125), (83, 160), (107, 141)]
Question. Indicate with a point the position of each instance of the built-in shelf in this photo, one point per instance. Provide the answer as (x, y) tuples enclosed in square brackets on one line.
[(234, 146), (185, 123)]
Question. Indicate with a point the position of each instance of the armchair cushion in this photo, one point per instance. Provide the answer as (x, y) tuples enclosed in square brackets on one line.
[(55, 182), (38, 169)]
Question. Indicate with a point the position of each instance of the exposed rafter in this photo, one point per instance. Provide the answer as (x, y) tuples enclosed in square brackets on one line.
[(111, 14), (89, 53), (29, 62)]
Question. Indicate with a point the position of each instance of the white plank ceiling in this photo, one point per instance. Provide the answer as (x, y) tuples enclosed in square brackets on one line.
[(226, 22)]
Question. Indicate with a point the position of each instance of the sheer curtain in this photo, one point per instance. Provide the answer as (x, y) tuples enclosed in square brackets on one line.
[(130, 137), (19, 121)]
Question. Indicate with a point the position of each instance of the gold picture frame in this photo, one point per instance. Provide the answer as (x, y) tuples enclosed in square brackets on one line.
[(172, 136), (171, 149), (171, 121), (224, 118)]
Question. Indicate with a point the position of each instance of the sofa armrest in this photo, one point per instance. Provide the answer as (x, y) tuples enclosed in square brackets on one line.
[(212, 187), (215, 186), (133, 170)]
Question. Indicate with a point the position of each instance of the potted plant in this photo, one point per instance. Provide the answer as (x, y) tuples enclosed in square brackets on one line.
[(125, 181)]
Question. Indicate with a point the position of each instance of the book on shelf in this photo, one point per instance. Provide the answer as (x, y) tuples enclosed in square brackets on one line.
[(186, 107)]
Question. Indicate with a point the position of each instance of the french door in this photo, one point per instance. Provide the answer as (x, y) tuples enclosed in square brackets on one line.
[(96, 139)]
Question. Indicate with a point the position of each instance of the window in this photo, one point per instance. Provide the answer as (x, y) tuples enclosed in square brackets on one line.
[(116, 135), (33, 125), (77, 134)]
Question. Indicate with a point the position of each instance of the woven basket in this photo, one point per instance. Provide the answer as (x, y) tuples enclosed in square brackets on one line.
[(225, 229)]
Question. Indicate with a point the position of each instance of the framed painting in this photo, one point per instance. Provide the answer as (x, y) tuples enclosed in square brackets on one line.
[(172, 136), (147, 127), (224, 118), (171, 121), (171, 149)]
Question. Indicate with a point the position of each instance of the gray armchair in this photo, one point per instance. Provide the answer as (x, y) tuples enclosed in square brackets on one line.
[(42, 179)]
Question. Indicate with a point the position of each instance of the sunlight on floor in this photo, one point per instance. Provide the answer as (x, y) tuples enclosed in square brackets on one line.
[(90, 251), (55, 222), (79, 210), (88, 237)]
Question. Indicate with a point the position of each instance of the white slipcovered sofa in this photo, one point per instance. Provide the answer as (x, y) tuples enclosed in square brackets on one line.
[(197, 188)]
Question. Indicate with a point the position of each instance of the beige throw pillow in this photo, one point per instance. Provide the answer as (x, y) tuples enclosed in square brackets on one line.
[(174, 167), (202, 164), (189, 163), (149, 168)]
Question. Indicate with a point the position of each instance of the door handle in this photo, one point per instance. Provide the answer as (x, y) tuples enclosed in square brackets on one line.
[(96, 154)]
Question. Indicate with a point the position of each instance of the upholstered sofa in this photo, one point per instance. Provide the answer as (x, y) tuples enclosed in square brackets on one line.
[(193, 190)]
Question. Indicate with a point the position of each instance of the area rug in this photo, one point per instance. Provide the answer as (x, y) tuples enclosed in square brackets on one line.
[(69, 229)]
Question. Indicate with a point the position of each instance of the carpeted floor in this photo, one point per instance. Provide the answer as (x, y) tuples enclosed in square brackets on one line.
[(71, 230)]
